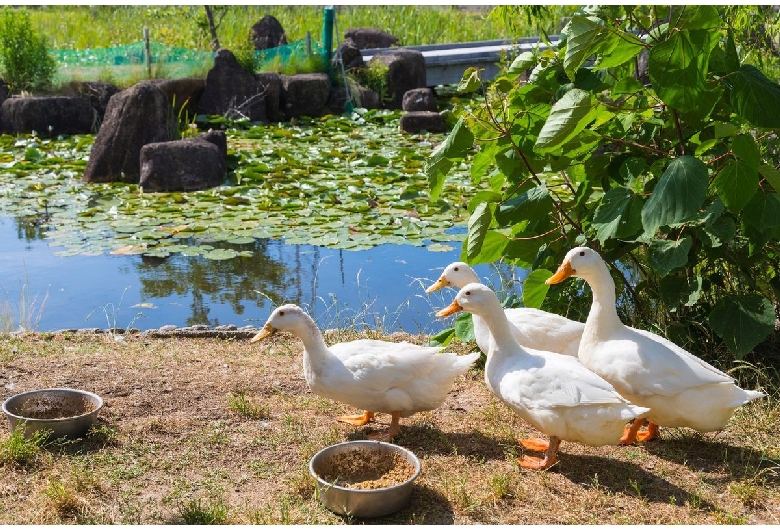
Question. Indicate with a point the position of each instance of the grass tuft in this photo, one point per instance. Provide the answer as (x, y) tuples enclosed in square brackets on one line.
[(243, 406), (16, 449), (198, 511)]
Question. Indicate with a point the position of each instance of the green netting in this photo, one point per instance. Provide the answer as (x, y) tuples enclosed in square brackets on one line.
[(125, 64)]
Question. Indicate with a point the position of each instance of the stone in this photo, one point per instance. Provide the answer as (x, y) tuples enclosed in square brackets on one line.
[(232, 91), (350, 56), (182, 165), (419, 121), (267, 33), (134, 117), (272, 88), (368, 99), (48, 115), (305, 94), (405, 71), (184, 95), (365, 38), (98, 93), (420, 99)]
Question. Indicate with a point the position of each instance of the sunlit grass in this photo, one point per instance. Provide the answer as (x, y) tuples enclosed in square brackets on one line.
[(24, 315)]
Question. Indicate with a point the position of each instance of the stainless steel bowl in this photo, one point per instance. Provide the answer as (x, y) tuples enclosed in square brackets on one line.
[(66, 412), (363, 502)]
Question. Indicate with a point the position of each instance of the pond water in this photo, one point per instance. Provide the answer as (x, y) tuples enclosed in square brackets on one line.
[(378, 288)]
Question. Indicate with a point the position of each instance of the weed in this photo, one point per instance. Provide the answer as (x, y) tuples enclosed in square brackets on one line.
[(198, 511), (111, 313), (500, 485), (26, 315), (243, 406), (19, 450), (63, 500)]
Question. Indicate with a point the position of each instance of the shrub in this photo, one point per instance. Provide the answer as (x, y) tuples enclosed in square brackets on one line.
[(24, 61)]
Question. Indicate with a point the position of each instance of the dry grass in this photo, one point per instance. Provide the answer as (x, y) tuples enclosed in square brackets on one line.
[(218, 430)]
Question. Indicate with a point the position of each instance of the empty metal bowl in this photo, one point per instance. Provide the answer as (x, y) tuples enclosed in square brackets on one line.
[(362, 502), (66, 412)]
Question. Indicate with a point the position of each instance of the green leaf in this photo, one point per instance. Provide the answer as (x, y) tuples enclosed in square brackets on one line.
[(619, 215), (521, 63), (583, 38), (534, 288), (627, 85), (455, 147), (676, 290), (678, 68), (742, 321), (478, 224), (735, 184), (678, 195), (763, 211), (569, 115), (464, 327), (665, 256), (619, 49), (470, 82), (745, 148), (528, 205), (771, 174), (754, 97)]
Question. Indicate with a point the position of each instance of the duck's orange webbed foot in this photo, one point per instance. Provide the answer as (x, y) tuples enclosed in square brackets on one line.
[(534, 444), (652, 432), (392, 431), (550, 456), (357, 419), (630, 431)]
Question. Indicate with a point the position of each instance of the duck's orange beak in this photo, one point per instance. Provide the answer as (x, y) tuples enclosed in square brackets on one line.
[(441, 283), (267, 331), (563, 272), (451, 309)]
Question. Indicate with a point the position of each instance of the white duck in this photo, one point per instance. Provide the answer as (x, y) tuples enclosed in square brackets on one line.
[(552, 392), (651, 371), (397, 378), (532, 328)]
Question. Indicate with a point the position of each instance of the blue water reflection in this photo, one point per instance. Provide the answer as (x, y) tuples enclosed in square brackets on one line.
[(378, 288)]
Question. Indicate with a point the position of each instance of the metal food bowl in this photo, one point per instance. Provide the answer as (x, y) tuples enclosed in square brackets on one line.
[(66, 412), (362, 502)]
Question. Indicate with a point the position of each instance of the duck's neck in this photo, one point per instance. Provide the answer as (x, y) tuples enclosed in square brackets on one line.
[(603, 319), (315, 351), (494, 318)]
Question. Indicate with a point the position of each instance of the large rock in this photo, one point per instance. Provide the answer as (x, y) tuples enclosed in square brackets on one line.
[(419, 121), (183, 165), (184, 94), (48, 115), (135, 117), (267, 33), (405, 71), (365, 38), (272, 88), (305, 94), (420, 99), (3, 91), (97, 92), (350, 56), (232, 91)]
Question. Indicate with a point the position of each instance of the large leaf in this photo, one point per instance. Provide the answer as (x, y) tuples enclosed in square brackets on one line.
[(569, 115), (678, 195), (771, 174), (457, 144), (678, 68), (664, 255), (754, 97), (742, 321), (479, 222), (763, 211), (492, 249), (534, 288), (735, 184), (619, 48), (619, 215), (528, 205), (583, 37), (676, 290)]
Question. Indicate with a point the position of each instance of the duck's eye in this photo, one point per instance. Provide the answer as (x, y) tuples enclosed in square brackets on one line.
[(582, 252), (468, 293), (456, 269), (281, 313)]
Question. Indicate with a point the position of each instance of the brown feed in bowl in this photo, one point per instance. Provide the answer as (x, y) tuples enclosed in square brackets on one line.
[(366, 469)]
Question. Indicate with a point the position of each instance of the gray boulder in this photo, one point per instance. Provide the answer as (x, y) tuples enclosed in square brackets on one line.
[(272, 87), (48, 115), (350, 55), (405, 71), (305, 94), (420, 99), (232, 91), (183, 165), (365, 38), (98, 93), (419, 121), (134, 117), (267, 33), (184, 94)]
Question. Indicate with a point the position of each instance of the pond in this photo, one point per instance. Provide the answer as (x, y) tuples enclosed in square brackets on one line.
[(332, 214), (382, 287)]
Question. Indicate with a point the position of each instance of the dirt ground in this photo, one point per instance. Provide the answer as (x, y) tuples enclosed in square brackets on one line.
[(221, 427)]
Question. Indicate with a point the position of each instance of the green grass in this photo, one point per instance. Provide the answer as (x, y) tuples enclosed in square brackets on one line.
[(16, 449), (198, 511)]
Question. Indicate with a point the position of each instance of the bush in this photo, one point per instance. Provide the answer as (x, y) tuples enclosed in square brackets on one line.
[(24, 61)]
